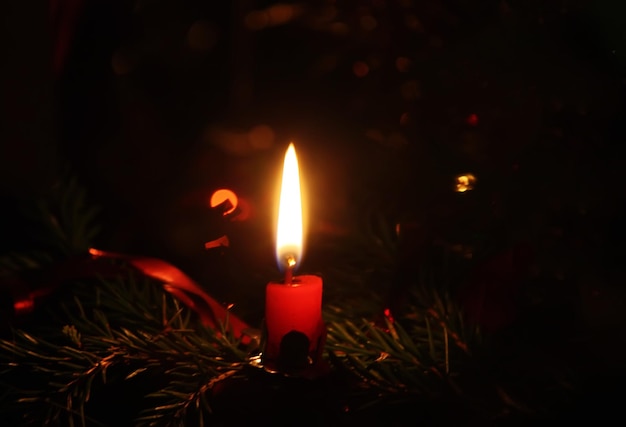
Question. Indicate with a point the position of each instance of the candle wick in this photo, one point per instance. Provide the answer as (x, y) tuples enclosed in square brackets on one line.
[(291, 263), (288, 276)]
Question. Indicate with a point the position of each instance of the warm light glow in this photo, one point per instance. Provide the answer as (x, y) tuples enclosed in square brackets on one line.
[(360, 69), (465, 182), (24, 306), (403, 64), (289, 226)]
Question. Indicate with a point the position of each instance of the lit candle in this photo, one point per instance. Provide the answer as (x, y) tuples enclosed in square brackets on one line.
[(293, 309)]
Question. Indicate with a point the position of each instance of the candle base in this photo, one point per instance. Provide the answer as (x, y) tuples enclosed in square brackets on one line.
[(296, 355), (311, 371), (294, 329)]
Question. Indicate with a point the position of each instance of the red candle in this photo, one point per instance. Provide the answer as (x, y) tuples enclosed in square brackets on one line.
[(293, 309)]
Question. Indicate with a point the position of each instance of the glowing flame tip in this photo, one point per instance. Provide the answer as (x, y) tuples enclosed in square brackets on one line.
[(289, 229)]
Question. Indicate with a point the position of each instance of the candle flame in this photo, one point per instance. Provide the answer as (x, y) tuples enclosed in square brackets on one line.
[(289, 230)]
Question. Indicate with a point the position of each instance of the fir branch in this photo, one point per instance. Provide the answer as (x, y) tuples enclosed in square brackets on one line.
[(363, 256), (115, 327), (16, 261), (390, 362), (413, 356), (439, 314), (58, 225)]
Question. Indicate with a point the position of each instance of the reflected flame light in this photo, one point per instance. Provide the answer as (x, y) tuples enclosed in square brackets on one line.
[(289, 226), (278, 14), (222, 195), (360, 69), (465, 182)]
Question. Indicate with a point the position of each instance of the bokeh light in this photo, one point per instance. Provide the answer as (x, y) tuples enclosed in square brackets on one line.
[(339, 28), (403, 64), (360, 69), (240, 142), (465, 182), (261, 137), (277, 14), (281, 13), (472, 119), (222, 195), (404, 118), (368, 22)]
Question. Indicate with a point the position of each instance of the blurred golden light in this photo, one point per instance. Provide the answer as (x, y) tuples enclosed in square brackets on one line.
[(257, 20), (464, 250), (280, 14), (202, 36), (222, 195), (403, 64), (231, 141), (339, 28), (261, 137), (240, 142), (465, 182), (360, 69), (368, 22), (404, 118)]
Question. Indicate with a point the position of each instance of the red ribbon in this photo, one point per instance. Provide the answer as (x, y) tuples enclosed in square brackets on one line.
[(181, 286), (212, 314)]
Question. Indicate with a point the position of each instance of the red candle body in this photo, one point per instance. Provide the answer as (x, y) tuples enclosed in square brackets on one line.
[(296, 307)]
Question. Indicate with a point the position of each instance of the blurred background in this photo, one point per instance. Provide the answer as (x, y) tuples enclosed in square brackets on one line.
[(493, 128)]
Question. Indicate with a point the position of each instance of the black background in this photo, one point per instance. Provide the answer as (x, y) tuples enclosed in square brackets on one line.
[(154, 103)]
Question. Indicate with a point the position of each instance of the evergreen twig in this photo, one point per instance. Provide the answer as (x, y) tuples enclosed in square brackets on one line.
[(188, 359)]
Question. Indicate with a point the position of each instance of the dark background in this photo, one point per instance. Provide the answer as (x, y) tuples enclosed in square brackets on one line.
[(154, 104)]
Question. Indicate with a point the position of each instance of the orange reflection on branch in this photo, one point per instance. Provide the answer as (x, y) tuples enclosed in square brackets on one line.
[(465, 182)]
